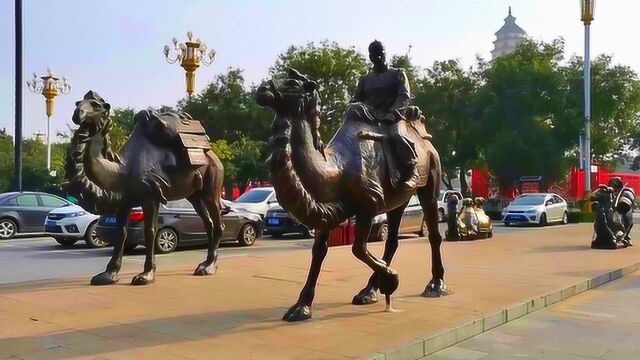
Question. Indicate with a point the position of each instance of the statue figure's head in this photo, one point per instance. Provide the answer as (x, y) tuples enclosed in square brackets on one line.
[(604, 196), (295, 94), (377, 55), (479, 201), (467, 202), (615, 183), (91, 111)]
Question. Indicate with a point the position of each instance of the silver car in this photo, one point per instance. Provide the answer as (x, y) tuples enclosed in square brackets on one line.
[(536, 208)]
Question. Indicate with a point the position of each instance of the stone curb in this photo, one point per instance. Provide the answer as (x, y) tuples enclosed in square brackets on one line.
[(420, 348)]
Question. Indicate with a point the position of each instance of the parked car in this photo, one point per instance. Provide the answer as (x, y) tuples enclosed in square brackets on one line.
[(443, 213), (278, 221), (257, 200), (25, 212), (178, 225), (536, 208), (71, 223)]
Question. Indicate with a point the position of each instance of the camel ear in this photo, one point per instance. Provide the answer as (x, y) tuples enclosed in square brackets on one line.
[(309, 86)]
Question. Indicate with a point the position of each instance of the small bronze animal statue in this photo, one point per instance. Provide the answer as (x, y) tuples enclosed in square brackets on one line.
[(608, 227), (472, 223), (352, 176), (167, 157)]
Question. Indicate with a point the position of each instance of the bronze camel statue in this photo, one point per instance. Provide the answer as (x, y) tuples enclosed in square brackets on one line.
[(321, 186), (155, 166)]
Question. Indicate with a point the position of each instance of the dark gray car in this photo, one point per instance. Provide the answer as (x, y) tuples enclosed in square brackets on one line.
[(25, 212), (179, 225), (278, 221)]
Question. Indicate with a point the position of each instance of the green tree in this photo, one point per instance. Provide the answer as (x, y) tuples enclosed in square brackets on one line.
[(446, 94), (123, 125), (336, 69), (228, 110), (6, 161), (522, 95)]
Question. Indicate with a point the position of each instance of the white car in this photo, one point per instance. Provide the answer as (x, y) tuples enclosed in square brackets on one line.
[(69, 224), (536, 208), (443, 213), (257, 200)]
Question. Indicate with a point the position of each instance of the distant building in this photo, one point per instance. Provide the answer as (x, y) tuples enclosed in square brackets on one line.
[(38, 135), (508, 37)]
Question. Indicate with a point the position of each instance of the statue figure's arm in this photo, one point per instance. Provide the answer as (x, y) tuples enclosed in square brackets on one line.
[(403, 97), (359, 96)]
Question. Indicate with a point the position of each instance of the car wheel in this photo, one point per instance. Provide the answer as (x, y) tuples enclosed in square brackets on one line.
[(424, 230), (490, 234), (166, 241), (8, 229), (441, 216), (507, 224), (248, 235), (65, 242), (565, 218), (543, 220), (383, 233), (91, 238)]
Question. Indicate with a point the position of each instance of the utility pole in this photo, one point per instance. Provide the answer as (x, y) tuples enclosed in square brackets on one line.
[(18, 123)]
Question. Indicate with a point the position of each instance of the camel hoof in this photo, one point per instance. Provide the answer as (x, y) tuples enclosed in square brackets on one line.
[(436, 288), (143, 279), (298, 312), (104, 278), (366, 296), (205, 270), (388, 282)]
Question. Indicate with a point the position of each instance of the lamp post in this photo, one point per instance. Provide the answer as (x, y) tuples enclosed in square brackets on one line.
[(49, 86), (191, 54), (587, 7)]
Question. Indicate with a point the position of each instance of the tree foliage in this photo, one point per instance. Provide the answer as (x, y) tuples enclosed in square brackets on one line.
[(336, 69), (446, 95)]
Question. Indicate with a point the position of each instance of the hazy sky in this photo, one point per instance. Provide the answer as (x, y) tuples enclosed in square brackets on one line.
[(115, 47)]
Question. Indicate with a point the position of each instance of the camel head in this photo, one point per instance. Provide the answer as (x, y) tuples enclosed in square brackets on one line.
[(295, 95), (92, 111)]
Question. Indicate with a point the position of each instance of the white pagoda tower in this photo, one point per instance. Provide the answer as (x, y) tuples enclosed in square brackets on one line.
[(508, 37)]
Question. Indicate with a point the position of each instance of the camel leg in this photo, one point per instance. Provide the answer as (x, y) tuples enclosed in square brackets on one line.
[(387, 278), (110, 275), (209, 209), (150, 209), (302, 308), (368, 294), (428, 199)]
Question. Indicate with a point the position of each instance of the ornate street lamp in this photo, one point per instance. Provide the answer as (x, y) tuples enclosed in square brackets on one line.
[(49, 86), (587, 7), (191, 54)]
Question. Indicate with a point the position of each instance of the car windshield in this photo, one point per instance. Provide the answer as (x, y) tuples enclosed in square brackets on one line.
[(529, 200), (254, 196)]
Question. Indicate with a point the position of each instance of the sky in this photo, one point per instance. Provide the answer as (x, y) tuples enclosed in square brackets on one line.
[(115, 47)]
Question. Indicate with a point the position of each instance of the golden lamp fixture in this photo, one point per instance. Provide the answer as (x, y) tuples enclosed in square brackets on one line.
[(190, 54)]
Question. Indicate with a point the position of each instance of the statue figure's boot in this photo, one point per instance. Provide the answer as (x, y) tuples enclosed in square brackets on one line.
[(412, 180)]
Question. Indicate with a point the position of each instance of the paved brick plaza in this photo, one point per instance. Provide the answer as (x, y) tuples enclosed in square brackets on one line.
[(236, 313)]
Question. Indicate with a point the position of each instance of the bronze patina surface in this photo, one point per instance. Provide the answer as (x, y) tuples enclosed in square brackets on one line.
[(353, 175), (164, 159)]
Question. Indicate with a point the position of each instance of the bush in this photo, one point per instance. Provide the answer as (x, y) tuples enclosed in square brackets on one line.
[(581, 217)]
